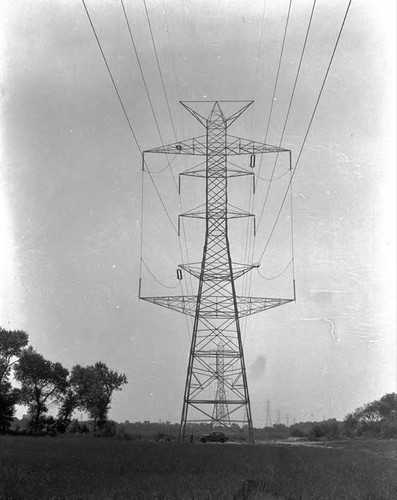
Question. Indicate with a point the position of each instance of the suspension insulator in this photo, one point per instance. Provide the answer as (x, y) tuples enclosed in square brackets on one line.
[(252, 161), (179, 274)]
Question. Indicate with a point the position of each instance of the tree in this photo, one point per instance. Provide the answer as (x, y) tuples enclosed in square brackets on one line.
[(42, 382), (377, 418), (11, 344), (68, 404), (388, 406), (94, 386), (9, 397)]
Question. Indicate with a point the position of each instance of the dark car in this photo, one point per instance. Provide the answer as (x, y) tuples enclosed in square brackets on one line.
[(215, 437)]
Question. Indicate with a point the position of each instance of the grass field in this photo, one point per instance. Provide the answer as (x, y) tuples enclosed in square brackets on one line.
[(92, 468)]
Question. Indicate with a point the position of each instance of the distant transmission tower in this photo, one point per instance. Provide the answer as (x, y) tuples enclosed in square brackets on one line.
[(216, 390), (220, 407), (268, 422)]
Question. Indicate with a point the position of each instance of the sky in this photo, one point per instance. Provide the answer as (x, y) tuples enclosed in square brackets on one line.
[(70, 193)]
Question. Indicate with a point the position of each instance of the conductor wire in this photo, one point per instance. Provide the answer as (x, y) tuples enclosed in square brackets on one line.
[(289, 109), (308, 128), (111, 77), (159, 68)]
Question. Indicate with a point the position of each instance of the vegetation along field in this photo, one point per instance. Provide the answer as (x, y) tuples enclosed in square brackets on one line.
[(68, 467)]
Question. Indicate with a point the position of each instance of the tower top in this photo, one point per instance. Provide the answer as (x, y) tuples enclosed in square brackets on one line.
[(203, 111)]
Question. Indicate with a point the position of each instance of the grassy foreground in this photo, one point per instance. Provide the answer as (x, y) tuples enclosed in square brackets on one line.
[(89, 468)]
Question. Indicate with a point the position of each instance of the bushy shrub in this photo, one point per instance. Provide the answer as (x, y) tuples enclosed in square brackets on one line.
[(108, 429), (298, 433), (389, 429), (377, 419), (161, 437)]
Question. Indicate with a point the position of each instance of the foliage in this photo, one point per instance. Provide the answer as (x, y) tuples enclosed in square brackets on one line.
[(68, 404), (11, 344), (375, 419), (93, 387), (327, 430), (296, 432), (76, 427), (8, 399), (42, 382)]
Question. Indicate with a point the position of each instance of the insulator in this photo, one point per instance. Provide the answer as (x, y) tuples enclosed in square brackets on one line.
[(179, 274), (178, 147), (252, 161)]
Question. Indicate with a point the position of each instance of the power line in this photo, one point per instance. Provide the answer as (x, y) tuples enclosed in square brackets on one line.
[(277, 275), (146, 87), (166, 167), (289, 109), (173, 60), (168, 106), (308, 128), (160, 198), (248, 280), (155, 278), (140, 69), (258, 57), (129, 122), (142, 214), (292, 236), (111, 77), (272, 178), (277, 77), (159, 68)]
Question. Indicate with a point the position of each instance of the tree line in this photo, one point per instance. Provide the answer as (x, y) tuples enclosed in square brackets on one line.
[(42, 383), (375, 419)]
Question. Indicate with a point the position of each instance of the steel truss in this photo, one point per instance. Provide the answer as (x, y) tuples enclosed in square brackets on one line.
[(216, 389)]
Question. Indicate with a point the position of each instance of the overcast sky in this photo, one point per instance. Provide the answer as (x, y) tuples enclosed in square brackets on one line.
[(70, 192)]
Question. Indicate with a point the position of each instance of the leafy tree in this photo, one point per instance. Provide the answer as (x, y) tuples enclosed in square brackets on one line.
[(9, 397), (68, 404), (325, 430), (11, 344), (388, 406), (94, 386), (42, 382), (377, 418)]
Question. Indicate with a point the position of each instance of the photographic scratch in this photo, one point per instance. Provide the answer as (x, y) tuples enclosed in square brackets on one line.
[(330, 321)]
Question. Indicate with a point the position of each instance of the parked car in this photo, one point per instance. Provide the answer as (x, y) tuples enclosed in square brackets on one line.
[(214, 437)]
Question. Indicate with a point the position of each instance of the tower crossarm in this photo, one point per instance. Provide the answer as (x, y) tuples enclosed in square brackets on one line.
[(219, 274), (217, 306), (231, 172), (240, 146), (192, 146), (233, 146), (202, 212)]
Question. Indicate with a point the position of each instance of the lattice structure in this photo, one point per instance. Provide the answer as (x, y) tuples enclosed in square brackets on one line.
[(268, 422), (216, 389), (221, 410)]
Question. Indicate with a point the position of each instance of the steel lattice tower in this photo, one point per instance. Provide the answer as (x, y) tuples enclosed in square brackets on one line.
[(216, 308), (221, 410), (268, 422)]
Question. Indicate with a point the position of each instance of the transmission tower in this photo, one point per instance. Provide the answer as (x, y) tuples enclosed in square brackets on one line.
[(268, 422), (216, 389), (220, 408)]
